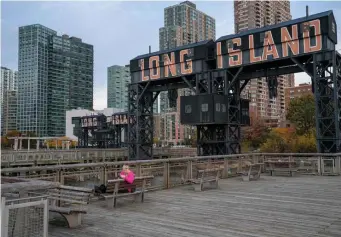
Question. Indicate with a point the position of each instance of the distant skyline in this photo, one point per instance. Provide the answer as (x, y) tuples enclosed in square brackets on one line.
[(119, 31)]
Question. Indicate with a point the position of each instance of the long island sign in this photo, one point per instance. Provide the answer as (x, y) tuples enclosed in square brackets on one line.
[(293, 38)]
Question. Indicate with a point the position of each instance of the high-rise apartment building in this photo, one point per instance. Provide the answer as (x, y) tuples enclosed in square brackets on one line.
[(256, 14), (183, 24), (117, 89), (8, 97), (55, 75)]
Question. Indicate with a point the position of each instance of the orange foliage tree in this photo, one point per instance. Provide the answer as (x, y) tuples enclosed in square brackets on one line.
[(255, 135), (52, 143), (283, 140), (7, 143)]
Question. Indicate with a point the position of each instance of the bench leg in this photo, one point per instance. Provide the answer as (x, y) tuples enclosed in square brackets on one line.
[(115, 202), (139, 196), (197, 187), (73, 220), (214, 184), (246, 177), (255, 176), (109, 202), (142, 197)]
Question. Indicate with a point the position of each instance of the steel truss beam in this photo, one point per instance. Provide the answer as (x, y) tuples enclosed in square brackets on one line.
[(140, 126), (325, 71), (327, 89), (220, 139)]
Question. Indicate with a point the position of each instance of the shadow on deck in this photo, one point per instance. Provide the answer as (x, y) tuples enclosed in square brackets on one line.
[(271, 207)]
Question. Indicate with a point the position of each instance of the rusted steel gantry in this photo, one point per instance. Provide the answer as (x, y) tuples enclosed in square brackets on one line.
[(222, 68)]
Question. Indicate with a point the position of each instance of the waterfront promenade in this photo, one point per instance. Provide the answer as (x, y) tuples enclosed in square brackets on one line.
[(270, 207)]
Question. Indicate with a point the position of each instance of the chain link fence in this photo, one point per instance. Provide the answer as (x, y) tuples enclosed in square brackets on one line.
[(24, 217)]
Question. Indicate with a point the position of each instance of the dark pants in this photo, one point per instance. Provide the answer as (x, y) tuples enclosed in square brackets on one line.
[(126, 190)]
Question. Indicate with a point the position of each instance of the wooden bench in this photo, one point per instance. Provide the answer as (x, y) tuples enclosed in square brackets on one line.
[(253, 172), (282, 167), (138, 188), (210, 176), (70, 202)]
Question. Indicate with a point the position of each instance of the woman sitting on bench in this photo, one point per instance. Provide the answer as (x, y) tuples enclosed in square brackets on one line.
[(128, 176)]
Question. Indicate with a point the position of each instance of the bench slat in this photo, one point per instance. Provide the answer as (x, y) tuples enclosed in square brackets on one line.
[(136, 178), (63, 192), (67, 200), (79, 189), (56, 195), (65, 210)]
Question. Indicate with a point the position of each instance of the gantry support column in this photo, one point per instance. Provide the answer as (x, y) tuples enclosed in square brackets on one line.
[(327, 90), (140, 127)]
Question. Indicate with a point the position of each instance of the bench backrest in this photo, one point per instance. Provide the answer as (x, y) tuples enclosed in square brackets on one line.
[(209, 173), (70, 195), (138, 183)]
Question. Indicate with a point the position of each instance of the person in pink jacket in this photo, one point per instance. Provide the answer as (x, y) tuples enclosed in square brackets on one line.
[(127, 175)]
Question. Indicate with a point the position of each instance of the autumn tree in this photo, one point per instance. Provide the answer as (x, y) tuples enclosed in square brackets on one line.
[(305, 143), (301, 112), (278, 141), (256, 134), (4, 143), (10, 143), (287, 140)]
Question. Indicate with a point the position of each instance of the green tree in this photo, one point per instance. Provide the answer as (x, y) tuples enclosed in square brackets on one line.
[(301, 112)]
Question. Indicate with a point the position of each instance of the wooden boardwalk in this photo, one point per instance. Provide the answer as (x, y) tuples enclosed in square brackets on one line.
[(306, 206)]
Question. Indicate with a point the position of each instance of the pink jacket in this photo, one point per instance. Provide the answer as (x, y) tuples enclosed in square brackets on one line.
[(130, 177)]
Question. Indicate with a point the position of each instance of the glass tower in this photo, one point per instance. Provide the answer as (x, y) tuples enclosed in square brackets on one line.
[(70, 83), (55, 75), (117, 90)]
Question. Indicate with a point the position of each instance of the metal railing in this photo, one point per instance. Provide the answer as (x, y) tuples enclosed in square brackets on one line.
[(172, 172), (14, 158)]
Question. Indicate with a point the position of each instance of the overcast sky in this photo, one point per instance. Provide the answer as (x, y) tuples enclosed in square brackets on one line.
[(119, 31)]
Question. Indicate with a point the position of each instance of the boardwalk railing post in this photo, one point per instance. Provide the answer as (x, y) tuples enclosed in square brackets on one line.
[(319, 165), (138, 170), (226, 168), (338, 164), (59, 176), (254, 158), (166, 175), (4, 217), (189, 170), (239, 168), (104, 174)]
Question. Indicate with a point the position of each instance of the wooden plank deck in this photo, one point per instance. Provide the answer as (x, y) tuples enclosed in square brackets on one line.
[(271, 207)]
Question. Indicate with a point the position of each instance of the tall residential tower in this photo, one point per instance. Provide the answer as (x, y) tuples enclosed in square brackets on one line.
[(183, 24), (256, 14), (55, 75)]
